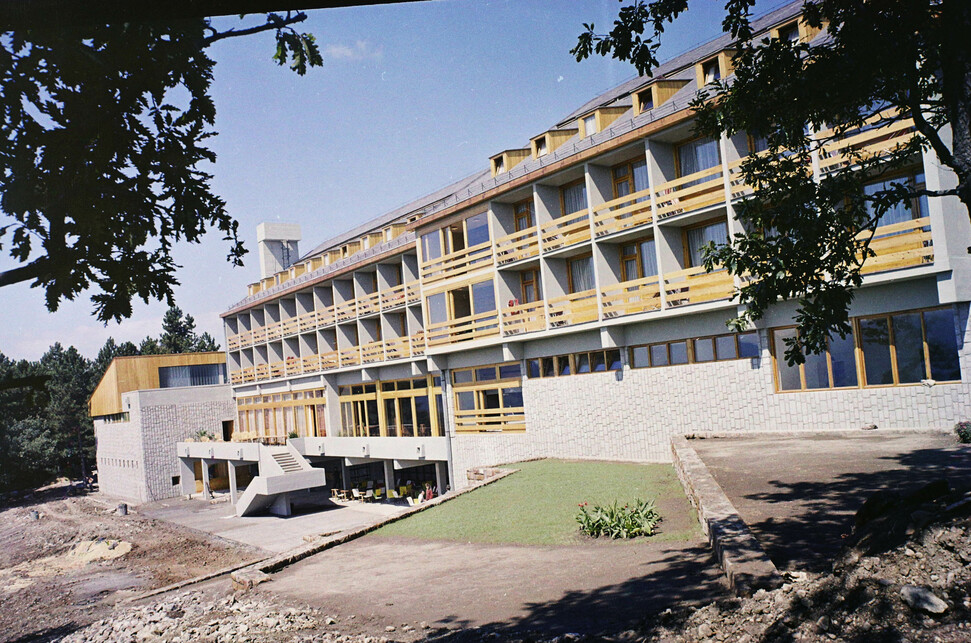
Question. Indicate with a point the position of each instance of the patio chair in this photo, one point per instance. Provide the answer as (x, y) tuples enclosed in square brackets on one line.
[(356, 493), (393, 495), (369, 495), (378, 493)]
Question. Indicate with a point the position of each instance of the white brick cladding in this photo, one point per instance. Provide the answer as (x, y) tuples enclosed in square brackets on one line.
[(137, 459), (631, 414)]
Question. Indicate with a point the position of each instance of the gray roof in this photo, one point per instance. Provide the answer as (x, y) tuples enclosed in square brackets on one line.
[(680, 67)]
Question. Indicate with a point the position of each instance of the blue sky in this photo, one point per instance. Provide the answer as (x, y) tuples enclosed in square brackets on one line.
[(410, 98)]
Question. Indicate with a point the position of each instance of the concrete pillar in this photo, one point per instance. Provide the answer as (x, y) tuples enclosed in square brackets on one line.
[(345, 475), (206, 489), (231, 469), (441, 476), (187, 477), (389, 475)]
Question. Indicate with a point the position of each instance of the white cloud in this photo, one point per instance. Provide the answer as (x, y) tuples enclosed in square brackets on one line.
[(360, 50)]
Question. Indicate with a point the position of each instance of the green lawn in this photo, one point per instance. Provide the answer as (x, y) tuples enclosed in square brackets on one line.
[(538, 505)]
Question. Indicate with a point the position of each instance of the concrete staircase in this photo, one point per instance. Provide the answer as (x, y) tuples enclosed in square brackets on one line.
[(283, 471)]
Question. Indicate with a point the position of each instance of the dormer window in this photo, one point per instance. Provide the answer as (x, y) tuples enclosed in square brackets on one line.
[(789, 33), (645, 99), (500, 165), (589, 125), (710, 71), (541, 147)]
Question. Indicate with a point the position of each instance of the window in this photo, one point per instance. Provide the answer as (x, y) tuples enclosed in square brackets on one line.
[(437, 311), (697, 239), (489, 398), (477, 229), (116, 417), (580, 276), (697, 155), (697, 350), (271, 418), (530, 286), (483, 297), (646, 99), (573, 197), (905, 348), (524, 215), (789, 33), (195, 375), (500, 165), (710, 71), (599, 361), (629, 178), (638, 260), (904, 210), (431, 245), (393, 408), (541, 147), (589, 124)]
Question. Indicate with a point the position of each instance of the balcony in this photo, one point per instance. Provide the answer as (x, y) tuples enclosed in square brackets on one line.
[(372, 352), (524, 318), (350, 356), (506, 420), (369, 304), (566, 231), (631, 297), (345, 310), (400, 295), (516, 246), (900, 245), (575, 308), (695, 286), (457, 263), (623, 213), (866, 145), (464, 329), (691, 192)]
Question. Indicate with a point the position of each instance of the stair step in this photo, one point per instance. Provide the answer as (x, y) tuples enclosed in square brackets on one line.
[(287, 462)]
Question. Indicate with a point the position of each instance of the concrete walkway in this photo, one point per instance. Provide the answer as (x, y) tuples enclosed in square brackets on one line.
[(799, 494), (271, 533)]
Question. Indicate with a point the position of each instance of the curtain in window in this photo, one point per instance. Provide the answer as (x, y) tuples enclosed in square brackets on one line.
[(900, 212), (581, 274), (648, 258), (698, 238), (698, 155), (640, 176), (199, 375), (575, 198)]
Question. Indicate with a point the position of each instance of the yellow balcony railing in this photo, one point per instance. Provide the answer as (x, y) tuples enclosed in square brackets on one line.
[(695, 286), (483, 420), (566, 231), (262, 371), (350, 356), (397, 348), (274, 331), (309, 364), (457, 263), (329, 360), (518, 245), (900, 245), (367, 304), (575, 308), (631, 297), (524, 318), (691, 192), (393, 297), (372, 352), (867, 144), (326, 316), (623, 213), (418, 344), (463, 329), (345, 310)]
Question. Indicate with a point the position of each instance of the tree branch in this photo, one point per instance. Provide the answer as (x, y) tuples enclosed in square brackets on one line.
[(273, 22), (32, 270)]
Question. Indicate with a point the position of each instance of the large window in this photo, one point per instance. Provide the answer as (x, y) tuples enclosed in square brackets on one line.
[(431, 245), (524, 215), (194, 375), (629, 178), (395, 408), (697, 155), (904, 210), (573, 197), (638, 259), (477, 229), (489, 398), (273, 418), (714, 348), (599, 361), (697, 238), (883, 350), (580, 276)]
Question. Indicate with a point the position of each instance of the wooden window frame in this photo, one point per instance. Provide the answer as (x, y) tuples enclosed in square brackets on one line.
[(534, 281), (519, 215), (569, 272), (776, 375), (690, 350), (629, 179), (682, 143), (861, 363), (564, 188), (685, 249)]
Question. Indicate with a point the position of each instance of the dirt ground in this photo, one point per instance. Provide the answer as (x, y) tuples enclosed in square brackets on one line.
[(70, 567), (586, 588)]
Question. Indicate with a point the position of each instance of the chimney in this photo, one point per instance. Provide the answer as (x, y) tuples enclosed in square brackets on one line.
[(278, 246)]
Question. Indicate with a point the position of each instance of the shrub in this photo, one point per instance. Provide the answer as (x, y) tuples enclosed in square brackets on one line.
[(628, 521), (963, 429), (204, 436), (293, 435)]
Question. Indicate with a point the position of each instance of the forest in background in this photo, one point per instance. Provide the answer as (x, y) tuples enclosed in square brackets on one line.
[(45, 431)]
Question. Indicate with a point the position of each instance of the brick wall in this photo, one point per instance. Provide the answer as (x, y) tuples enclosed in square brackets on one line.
[(631, 414)]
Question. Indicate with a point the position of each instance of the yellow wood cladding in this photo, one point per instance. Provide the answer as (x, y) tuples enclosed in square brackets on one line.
[(900, 245), (695, 286), (553, 139), (463, 329), (139, 372), (659, 92), (575, 308), (604, 118), (507, 160), (630, 211)]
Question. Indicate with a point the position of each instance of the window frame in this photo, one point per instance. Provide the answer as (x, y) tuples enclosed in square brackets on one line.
[(569, 271), (677, 153), (525, 213), (686, 249), (564, 188)]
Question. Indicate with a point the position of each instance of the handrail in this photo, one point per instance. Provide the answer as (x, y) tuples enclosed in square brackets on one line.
[(457, 263), (518, 245), (574, 308), (463, 329), (350, 356), (372, 352), (370, 303), (629, 211), (345, 310), (691, 192), (630, 297), (524, 318), (477, 420), (696, 285), (566, 231), (899, 245)]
